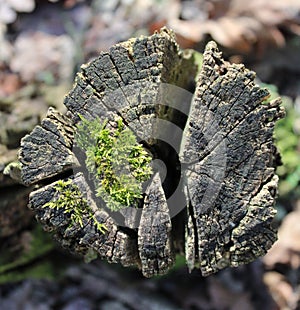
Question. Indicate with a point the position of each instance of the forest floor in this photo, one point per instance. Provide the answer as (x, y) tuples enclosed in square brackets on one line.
[(42, 45)]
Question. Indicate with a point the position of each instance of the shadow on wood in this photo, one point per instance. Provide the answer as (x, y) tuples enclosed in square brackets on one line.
[(214, 150)]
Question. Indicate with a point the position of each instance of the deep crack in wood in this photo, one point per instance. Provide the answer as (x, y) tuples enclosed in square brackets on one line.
[(226, 156)]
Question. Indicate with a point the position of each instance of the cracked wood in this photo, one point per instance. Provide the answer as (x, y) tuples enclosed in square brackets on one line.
[(226, 156)]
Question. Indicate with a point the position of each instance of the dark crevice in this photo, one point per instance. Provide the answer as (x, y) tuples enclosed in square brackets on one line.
[(169, 156), (195, 231), (178, 230), (62, 175)]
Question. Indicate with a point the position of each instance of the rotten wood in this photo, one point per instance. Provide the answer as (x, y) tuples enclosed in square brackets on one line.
[(230, 176), (154, 234), (226, 155)]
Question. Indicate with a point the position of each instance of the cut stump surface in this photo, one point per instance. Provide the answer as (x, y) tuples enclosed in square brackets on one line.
[(213, 186)]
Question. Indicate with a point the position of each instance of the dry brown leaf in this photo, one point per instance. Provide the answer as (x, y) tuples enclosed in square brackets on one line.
[(287, 249), (239, 33), (238, 24), (9, 84), (38, 56), (281, 291)]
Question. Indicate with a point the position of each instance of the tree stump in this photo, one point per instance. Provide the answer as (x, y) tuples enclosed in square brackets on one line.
[(213, 184)]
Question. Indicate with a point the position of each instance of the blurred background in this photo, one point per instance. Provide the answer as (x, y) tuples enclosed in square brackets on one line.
[(42, 45)]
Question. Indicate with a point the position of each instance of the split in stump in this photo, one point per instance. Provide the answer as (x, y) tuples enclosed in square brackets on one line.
[(140, 166)]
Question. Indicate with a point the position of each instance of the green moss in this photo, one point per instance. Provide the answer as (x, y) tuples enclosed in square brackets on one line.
[(117, 161), (198, 60), (72, 202), (16, 264), (43, 270), (287, 139)]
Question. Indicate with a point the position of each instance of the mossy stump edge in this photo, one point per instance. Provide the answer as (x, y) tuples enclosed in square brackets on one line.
[(226, 156)]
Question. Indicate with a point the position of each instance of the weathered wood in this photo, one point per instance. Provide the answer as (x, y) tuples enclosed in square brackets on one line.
[(114, 245), (229, 150), (154, 234), (47, 150), (226, 157), (127, 81)]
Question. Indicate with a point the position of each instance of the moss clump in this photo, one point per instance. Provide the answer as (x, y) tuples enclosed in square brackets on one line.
[(117, 161), (71, 201)]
